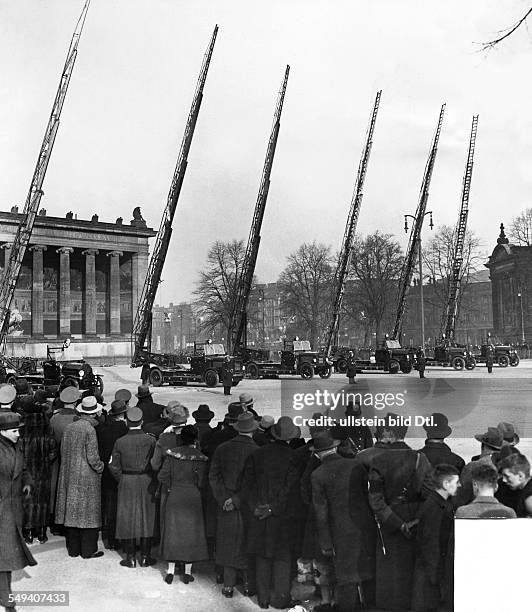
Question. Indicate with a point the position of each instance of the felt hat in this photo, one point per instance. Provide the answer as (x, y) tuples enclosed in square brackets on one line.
[(9, 420), (266, 422), (176, 413), (134, 415), (118, 407), (315, 429), (245, 399), (440, 429), (323, 440), (492, 438), (143, 391), (233, 410), (285, 429), (70, 395), (203, 413), (508, 433), (88, 405), (123, 394), (245, 423), (398, 430), (8, 394), (22, 386)]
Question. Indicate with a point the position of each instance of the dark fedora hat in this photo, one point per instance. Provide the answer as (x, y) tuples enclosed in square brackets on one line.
[(492, 438), (118, 407), (398, 430), (323, 441), (246, 423), (233, 410), (203, 413), (9, 420), (508, 433), (22, 386), (440, 428), (285, 429), (143, 391)]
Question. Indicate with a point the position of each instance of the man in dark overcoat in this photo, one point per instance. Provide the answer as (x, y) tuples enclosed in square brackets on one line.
[(421, 362), (108, 433), (351, 371), (489, 358), (226, 374), (225, 478), (435, 448), (340, 539), (130, 465), (151, 411), (14, 482), (397, 477), (223, 432), (203, 416), (269, 476), (78, 505)]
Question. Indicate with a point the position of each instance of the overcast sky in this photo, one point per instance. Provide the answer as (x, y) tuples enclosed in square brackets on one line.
[(132, 87)]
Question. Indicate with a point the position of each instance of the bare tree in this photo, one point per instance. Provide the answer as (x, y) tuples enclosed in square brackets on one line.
[(507, 31), (375, 269), (521, 228), (217, 285), (305, 286), (438, 262)]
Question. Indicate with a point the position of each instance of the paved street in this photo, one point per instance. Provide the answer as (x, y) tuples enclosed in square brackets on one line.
[(473, 400)]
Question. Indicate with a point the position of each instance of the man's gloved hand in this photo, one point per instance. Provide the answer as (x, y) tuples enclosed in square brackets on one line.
[(26, 490), (405, 530), (327, 552)]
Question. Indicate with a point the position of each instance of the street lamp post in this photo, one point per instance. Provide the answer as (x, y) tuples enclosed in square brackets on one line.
[(420, 258), (520, 296)]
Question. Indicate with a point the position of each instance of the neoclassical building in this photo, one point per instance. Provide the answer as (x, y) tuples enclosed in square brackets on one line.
[(80, 279), (510, 268)]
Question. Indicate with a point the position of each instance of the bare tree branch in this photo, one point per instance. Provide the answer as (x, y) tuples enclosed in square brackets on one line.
[(508, 32)]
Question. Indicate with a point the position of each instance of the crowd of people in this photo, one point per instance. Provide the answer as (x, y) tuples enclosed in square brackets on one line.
[(352, 518)]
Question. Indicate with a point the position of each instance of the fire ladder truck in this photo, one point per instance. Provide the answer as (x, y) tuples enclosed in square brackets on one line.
[(296, 358), (339, 356), (206, 363), (447, 351), (391, 356), (49, 372)]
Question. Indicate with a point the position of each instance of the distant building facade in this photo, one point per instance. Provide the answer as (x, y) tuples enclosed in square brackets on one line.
[(80, 279), (510, 271)]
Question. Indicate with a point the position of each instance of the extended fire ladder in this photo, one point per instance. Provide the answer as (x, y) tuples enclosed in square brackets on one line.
[(415, 234), (31, 206), (141, 335), (238, 324), (451, 311), (342, 268)]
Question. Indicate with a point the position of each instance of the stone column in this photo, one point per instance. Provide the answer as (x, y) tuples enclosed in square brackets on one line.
[(64, 291), (114, 291), (139, 268), (90, 292), (7, 248), (37, 293)]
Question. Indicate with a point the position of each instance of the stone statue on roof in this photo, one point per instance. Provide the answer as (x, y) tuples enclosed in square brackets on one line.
[(138, 220)]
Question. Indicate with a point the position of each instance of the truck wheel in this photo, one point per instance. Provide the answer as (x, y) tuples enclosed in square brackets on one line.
[(458, 363), (156, 377), (470, 364), (341, 366), (406, 367), (393, 366), (503, 361), (211, 378), (514, 361), (306, 371), (326, 371), (252, 370)]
